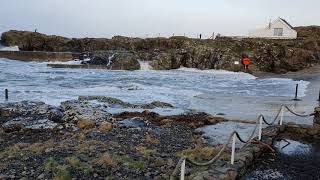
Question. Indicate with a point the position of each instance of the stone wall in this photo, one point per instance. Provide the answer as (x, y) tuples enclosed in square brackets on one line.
[(37, 56)]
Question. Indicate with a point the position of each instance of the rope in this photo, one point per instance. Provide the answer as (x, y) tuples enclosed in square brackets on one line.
[(297, 114), (214, 159), (274, 120)]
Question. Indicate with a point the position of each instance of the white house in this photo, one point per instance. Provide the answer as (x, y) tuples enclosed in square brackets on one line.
[(278, 29)]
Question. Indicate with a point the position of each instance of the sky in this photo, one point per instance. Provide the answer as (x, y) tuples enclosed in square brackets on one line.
[(152, 18)]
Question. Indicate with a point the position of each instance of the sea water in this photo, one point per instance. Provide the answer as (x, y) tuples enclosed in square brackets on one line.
[(212, 91)]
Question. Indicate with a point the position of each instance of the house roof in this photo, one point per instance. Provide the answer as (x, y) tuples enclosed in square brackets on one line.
[(286, 22)]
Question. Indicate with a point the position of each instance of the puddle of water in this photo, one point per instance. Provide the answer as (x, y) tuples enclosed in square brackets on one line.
[(219, 133), (293, 160), (290, 147), (133, 123)]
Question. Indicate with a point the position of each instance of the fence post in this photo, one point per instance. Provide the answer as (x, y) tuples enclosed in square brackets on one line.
[(281, 115), (233, 150), (6, 94), (183, 169), (260, 128)]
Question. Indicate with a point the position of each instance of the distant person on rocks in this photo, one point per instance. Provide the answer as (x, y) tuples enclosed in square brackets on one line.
[(200, 36)]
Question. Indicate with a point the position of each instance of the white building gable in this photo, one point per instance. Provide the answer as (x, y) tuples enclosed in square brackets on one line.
[(278, 29)]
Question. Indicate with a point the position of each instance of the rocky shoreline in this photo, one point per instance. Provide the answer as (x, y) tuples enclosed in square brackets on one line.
[(276, 56), (80, 139)]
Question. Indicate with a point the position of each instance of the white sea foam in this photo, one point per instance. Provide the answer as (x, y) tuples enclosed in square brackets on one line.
[(234, 75), (145, 66)]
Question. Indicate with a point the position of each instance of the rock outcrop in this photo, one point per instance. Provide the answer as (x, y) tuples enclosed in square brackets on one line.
[(278, 56), (29, 115), (115, 60)]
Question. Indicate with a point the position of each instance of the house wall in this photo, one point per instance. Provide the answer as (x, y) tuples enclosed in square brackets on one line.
[(267, 32)]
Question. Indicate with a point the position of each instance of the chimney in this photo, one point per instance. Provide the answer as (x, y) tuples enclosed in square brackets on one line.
[(269, 23)]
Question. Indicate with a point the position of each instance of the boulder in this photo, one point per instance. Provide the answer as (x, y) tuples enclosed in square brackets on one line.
[(85, 111)]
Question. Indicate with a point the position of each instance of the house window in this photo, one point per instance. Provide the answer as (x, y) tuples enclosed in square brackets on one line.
[(278, 32)]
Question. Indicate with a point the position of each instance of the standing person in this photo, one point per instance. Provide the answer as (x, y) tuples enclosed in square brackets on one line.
[(246, 62), (200, 36)]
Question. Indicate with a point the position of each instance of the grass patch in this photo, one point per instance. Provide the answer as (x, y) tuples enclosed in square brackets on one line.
[(133, 163), (152, 140), (203, 153), (106, 160), (22, 149), (60, 172), (85, 124), (145, 151), (76, 164)]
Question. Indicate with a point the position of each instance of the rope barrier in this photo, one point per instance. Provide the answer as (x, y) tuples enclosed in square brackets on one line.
[(297, 114), (234, 135)]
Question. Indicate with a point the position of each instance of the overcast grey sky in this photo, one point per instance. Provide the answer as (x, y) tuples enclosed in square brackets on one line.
[(105, 18)]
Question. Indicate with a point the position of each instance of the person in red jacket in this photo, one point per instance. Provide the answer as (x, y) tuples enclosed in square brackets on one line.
[(246, 62)]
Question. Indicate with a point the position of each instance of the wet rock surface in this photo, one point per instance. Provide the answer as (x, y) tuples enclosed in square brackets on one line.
[(29, 115), (114, 102), (193, 120)]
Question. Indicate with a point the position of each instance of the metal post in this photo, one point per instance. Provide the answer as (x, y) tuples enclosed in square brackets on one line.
[(183, 169), (6, 94), (260, 128), (281, 115), (296, 95), (233, 148)]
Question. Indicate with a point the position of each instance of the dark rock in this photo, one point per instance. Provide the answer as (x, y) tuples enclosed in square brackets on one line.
[(117, 102), (115, 60)]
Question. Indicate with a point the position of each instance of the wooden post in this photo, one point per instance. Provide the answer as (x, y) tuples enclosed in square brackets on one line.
[(183, 169), (281, 116), (260, 128), (233, 150)]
